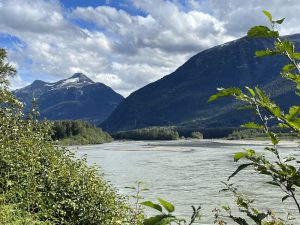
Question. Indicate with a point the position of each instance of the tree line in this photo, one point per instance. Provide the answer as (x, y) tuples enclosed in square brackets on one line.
[(72, 132)]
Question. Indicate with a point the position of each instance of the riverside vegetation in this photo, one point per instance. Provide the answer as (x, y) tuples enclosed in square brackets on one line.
[(75, 132), (156, 133), (42, 183), (248, 133)]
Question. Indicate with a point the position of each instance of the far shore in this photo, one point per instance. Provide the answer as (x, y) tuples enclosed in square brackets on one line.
[(284, 143)]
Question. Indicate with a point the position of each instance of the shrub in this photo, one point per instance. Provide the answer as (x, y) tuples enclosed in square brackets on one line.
[(197, 135), (43, 182)]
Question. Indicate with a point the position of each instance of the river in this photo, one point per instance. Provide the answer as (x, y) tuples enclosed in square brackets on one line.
[(185, 172)]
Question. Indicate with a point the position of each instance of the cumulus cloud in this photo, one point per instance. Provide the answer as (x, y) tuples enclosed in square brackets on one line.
[(239, 15), (122, 49), (148, 47)]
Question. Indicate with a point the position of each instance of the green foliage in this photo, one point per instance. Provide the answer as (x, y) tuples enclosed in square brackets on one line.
[(11, 215), (74, 132), (282, 172), (43, 183), (246, 134), (150, 133), (6, 70), (245, 207), (196, 135), (165, 215)]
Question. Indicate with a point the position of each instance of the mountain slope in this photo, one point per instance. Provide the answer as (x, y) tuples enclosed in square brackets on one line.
[(181, 97), (77, 97)]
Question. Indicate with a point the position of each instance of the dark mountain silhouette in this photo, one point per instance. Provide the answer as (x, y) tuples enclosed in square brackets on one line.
[(181, 97), (77, 97)]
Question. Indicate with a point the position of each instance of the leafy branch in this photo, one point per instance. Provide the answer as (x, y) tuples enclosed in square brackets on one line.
[(284, 173)]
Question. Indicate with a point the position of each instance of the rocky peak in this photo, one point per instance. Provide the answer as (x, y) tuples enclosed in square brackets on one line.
[(77, 80), (38, 83), (81, 78)]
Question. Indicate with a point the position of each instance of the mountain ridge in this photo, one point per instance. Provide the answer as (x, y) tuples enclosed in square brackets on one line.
[(77, 97), (181, 97)]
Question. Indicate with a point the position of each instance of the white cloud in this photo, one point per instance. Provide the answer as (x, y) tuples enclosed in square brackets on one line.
[(148, 47), (126, 51), (239, 15), (32, 16), (17, 82)]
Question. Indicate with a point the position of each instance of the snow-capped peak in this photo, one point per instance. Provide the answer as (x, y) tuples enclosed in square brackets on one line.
[(77, 80), (70, 80)]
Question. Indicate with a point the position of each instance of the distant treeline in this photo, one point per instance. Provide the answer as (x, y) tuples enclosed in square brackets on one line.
[(74, 132), (150, 133), (245, 133), (155, 133), (208, 133)]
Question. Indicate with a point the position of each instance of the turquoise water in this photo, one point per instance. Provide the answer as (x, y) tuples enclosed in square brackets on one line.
[(183, 172)]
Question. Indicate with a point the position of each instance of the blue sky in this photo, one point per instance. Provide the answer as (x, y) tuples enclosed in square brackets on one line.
[(125, 44)]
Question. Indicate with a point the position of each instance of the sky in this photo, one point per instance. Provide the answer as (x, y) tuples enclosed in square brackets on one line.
[(124, 44)]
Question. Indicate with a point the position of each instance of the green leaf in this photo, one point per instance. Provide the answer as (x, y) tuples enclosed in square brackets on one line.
[(133, 188), (288, 68), (226, 208), (296, 55), (167, 205), (239, 220), (274, 138), (269, 15), (261, 95), (273, 183), (225, 92), (246, 107), (237, 156), (266, 52), (285, 46), (250, 152), (273, 150), (154, 220), (166, 221), (279, 21), (262, 32), (276, 111), (152, 205), (294, 111), (253, 125), (240, 167), (285, 197), (251, 91), (288, 159), (293, 77)]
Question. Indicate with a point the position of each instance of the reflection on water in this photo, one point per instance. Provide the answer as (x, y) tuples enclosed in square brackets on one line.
[(183, 172)]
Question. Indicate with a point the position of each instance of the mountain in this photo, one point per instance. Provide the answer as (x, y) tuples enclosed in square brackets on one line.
[(181, 97), (77, 97)]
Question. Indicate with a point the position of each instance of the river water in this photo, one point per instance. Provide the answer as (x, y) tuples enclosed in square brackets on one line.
[(185, 172)]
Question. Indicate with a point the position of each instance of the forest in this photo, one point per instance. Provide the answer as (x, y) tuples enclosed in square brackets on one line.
[(76, 132)]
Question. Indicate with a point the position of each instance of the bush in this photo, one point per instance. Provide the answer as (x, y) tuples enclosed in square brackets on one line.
[(45, 183), (197, 135)]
